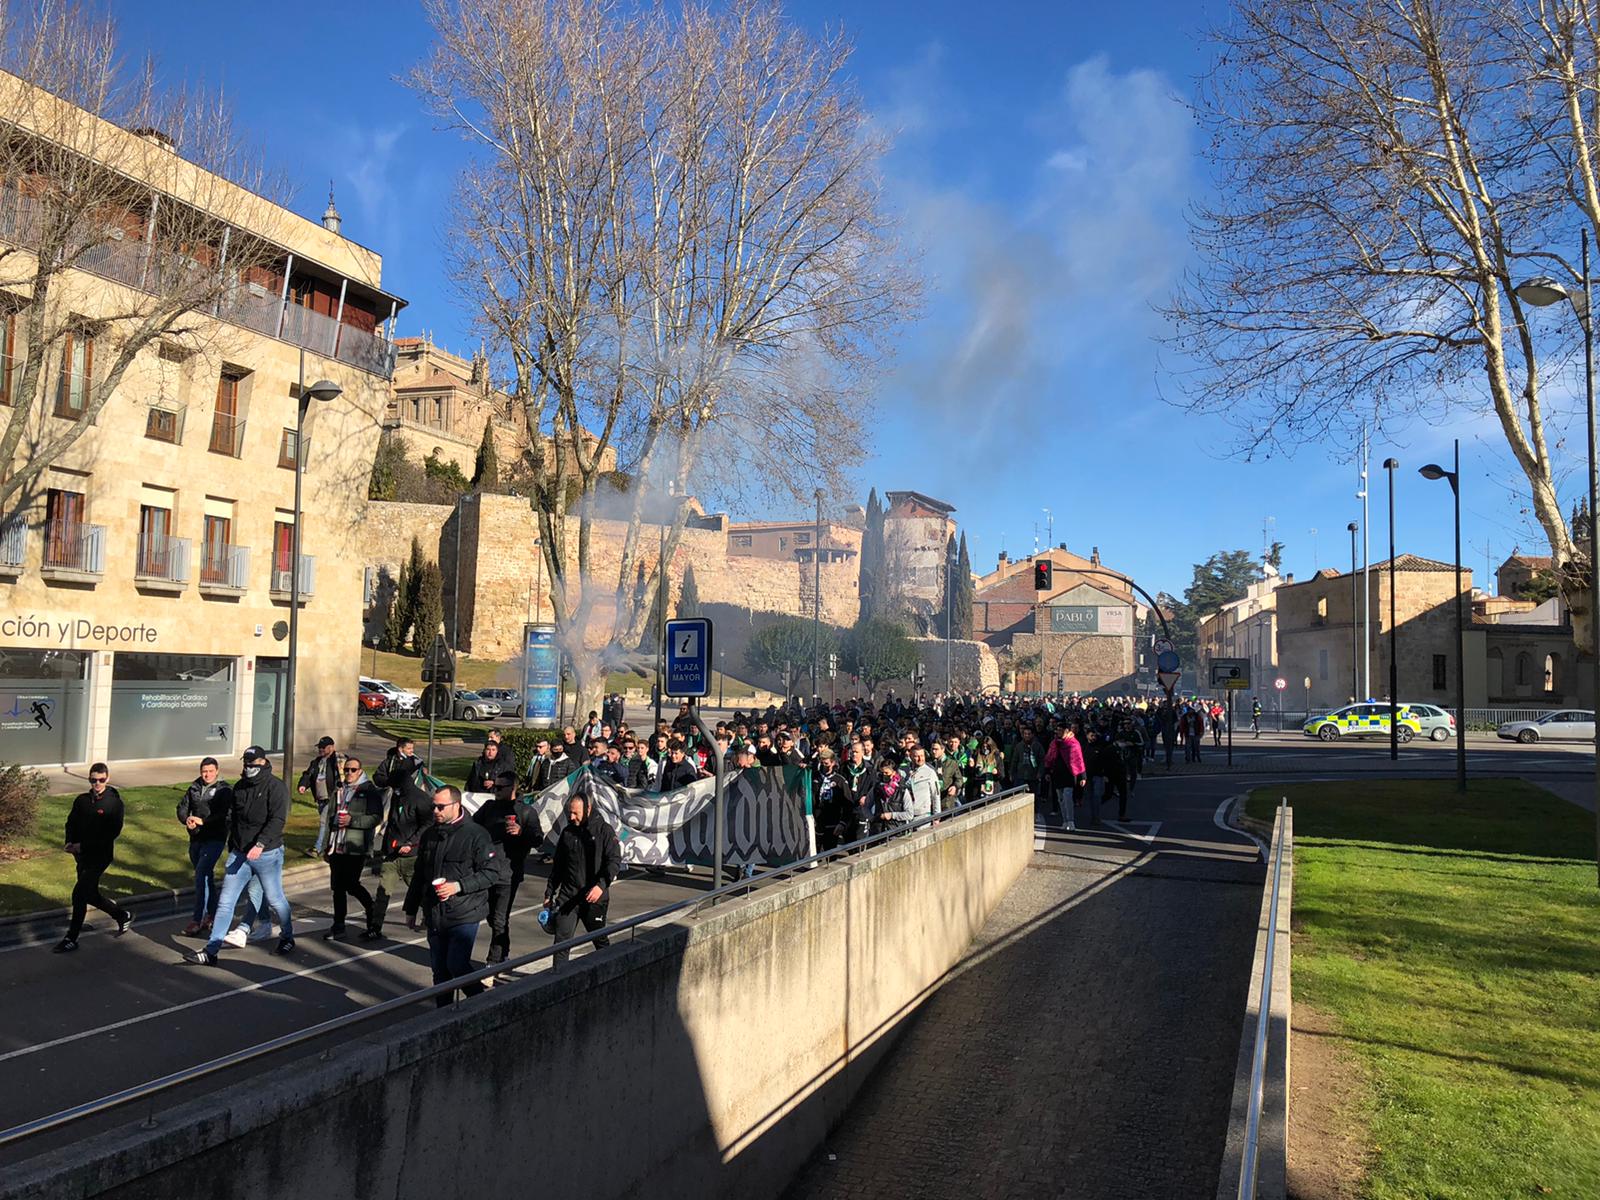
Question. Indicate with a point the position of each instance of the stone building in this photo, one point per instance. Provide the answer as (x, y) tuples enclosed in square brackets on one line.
[(789, 541), (1246, 628), (147, 580), (1079, 635), (916, 536), (1519, 570)]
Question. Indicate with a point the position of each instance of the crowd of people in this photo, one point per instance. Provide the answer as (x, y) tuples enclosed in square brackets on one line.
[(400, 832)]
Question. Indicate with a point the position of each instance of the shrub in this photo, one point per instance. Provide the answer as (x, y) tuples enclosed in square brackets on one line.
[(21, 792), (522, 742)]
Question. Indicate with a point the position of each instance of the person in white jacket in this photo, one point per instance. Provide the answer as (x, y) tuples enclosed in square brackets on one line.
[(919, 795)]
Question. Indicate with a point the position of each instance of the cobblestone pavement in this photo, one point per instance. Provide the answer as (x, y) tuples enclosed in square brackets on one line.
[(1085, 1049)]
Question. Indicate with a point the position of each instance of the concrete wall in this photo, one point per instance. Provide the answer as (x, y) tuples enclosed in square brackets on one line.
[(705, 1059)]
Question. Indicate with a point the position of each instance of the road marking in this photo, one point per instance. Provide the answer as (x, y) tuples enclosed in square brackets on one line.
[(238, 991), (1220, 823), (1122, 827)]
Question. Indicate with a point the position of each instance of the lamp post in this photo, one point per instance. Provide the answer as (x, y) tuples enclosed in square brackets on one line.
[(1391, 465), (816, 596), (1435, 472), (324, 390), (1541, 292), (1355, 649)]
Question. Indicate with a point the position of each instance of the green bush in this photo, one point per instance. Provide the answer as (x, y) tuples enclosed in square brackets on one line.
[(523, 741), (21, 792)]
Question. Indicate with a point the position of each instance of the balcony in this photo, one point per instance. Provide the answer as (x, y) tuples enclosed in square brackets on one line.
[(227, 435), (13, 546), (162, 564), (164, 423), (282, 582), (224, 569), (73, 552)]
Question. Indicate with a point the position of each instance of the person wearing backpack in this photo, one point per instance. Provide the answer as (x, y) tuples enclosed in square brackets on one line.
[(407, 786)]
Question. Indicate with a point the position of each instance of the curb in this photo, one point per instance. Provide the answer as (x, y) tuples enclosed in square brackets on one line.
[(26, 928)]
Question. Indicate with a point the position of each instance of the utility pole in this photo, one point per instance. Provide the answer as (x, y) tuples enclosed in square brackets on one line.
[(1366, 570), (816, 598)]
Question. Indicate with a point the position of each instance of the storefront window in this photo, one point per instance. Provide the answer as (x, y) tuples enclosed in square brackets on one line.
[(44, 705), (171, 705)]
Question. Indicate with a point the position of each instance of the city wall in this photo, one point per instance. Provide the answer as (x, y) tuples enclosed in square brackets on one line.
[(707, 1058)]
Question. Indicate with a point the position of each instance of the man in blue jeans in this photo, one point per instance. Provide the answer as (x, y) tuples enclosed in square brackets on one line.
[(203, 811), (457, 864), (255, 837)]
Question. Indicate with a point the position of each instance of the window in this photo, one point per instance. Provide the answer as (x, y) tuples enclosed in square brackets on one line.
[(1322, 661), (77, 360), (63, 519), (227, 430), (1524, 669), (218, 536), (287, 448), (802, 539), (155, 525), (741, 539), (1322, 612), (1439, 673), (282, 548), (161, 425), (8, 354), (783, 543)]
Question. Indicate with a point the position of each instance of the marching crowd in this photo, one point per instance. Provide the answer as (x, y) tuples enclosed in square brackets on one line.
[(399, 832)]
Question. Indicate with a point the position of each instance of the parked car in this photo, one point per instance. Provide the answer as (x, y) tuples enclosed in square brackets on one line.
[(400, 700), (471, 706), (1436, 724), (371, 702), (1562, 725), (1361, 720), (509, 700)]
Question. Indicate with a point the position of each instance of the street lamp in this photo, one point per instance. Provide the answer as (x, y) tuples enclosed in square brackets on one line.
[(1435, 472), (323, 390), (1391, 465), (1355, 650), (816, 598), (1541, 292)]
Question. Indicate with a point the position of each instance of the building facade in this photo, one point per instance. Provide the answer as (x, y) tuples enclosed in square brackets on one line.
[(1246, 628), (790, 541), (147, 577), (916, 536)]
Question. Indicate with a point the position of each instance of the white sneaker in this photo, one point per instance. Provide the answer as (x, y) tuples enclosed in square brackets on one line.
[(235, 937), (262, 932)]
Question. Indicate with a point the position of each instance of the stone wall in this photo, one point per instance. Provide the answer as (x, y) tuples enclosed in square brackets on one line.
[(384, 532), (973, 665)]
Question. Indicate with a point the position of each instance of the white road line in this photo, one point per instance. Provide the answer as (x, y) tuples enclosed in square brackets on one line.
[(238, 991), (1220, 823), (1122, 827)]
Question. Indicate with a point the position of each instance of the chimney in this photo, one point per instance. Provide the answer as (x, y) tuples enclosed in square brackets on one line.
[(330, 215), (1289, 578), (1002, 558), (155, 137), (1094, 556)]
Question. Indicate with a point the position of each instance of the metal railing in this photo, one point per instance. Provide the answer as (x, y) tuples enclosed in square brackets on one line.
[(163, 423), (1258, 1061), (631, 925), (75, 546), (14, 542), (162, 556), (225, 566), (227, 434), (283, 581)]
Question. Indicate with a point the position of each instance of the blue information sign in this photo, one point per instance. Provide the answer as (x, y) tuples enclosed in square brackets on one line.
[(541, 674), (689, 657)]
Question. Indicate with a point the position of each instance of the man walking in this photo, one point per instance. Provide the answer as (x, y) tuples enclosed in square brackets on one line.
[(93, 825), (255, 836), (357, 813), (322, 779), (456, 867), (410, 812), (203, 811), (1255, 717), (587, 860), (497, 776)]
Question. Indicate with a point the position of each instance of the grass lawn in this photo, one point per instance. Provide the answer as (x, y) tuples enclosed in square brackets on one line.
[(152, 853), (405, 670), (1455, 943)]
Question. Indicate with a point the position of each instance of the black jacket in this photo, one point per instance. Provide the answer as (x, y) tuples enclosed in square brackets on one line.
[(538, 775), (461, 853), (330, 767), (498, 776), (586, 855), (492, 816), (94, 822), (677, 775), (260, 807), (212, 805), (410, 804)]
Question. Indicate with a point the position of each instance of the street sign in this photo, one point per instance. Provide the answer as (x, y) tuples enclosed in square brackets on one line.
[(689, 657), (440, 665), (1230, 673), (1280, 683), (541, 674), (1169, 679), (436, 701), (1167, 662)]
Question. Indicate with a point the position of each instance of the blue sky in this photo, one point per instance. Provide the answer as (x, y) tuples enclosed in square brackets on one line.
[(1043, 163)]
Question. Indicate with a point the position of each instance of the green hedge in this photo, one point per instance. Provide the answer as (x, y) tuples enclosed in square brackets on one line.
[(523, 741)]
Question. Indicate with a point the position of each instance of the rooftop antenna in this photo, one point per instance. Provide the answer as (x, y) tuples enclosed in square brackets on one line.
[(1316, 561)]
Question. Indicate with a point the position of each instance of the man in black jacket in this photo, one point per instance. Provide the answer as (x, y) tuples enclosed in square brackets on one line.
[(588, 859), (539, 769), (497, 776), (410, 813), (678, 771), (322, 779), (255, 838), (93, 825), (357, 815), (203, 811), (456, 866)]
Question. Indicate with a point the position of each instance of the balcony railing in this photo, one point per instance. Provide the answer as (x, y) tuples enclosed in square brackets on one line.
[(73, 546), (13, 543), (164, 423), (224, 566), (163, 558), (282, 581), (227, 435), (130, 261)]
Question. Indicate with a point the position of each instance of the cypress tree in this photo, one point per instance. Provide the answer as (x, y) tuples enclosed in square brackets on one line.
[(430, 607), (689, 594), (961, 607), (486, 467), (871, 583)]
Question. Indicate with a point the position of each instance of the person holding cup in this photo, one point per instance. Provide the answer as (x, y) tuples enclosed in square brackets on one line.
[(457, 864)]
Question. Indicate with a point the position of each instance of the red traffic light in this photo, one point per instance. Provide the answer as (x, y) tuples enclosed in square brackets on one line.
[(1041, 576)]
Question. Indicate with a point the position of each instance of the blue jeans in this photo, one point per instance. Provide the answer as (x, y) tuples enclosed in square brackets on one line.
[(322, 829), (450, 950), (203, 858), (268, 870)]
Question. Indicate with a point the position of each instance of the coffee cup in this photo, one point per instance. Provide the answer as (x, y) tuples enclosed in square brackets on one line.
[(437, 884)]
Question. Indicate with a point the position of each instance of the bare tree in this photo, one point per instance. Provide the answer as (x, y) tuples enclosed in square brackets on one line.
[(120, 231), (673, 238), (1388, 171)]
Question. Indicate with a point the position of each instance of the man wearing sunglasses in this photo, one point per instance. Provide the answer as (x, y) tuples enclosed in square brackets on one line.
[(358, 811), (457, 864), (255, 836), (93, 825)]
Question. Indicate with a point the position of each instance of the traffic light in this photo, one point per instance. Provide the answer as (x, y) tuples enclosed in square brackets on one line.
[(1041, 576)]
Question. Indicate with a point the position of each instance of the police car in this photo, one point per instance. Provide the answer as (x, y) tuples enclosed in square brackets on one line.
[(1362, 720)]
